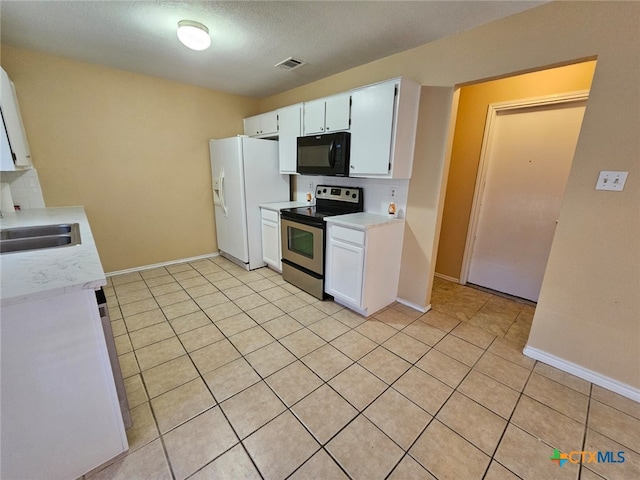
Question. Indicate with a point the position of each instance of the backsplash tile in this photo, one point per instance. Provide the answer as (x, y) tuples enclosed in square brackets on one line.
[(25, 188), (377, 193)]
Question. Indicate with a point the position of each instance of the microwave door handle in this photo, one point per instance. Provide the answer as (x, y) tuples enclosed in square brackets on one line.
[(332, 159)]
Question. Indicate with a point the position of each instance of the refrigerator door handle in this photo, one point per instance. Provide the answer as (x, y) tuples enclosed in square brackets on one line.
[(222, 200)]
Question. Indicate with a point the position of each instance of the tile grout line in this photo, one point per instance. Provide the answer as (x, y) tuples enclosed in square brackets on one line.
[(326, 382), (521, 393), (298, 358)]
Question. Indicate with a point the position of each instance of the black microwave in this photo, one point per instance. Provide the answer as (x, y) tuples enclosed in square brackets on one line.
[(326, 154)]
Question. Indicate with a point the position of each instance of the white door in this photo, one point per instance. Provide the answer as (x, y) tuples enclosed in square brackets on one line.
[(528, 156)]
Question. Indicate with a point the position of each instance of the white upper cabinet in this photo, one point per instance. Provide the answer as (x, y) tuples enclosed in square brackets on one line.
[(289, 129), (263, 125), (15, 133), (384, 118), (325, 115)]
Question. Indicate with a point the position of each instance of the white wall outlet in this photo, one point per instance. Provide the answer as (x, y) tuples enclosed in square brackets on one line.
[(311, 186), (393, 192), (611, 180)]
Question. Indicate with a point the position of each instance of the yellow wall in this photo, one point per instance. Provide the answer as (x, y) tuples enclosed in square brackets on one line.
[(588, 312), (467, 145), (131, 148)]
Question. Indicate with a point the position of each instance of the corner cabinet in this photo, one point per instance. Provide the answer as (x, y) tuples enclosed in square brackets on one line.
[(363, 262), (271, 248), (289, 129), (384, 118), (325, 115), (263, 125), (15, 148)]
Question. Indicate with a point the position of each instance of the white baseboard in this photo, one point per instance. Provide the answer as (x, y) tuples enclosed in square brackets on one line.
[(584, 373), (446, 277), (163, 264), (413, 305)]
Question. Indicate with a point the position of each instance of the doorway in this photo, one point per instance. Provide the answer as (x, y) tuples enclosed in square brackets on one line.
[(466, 303), (527, 153)]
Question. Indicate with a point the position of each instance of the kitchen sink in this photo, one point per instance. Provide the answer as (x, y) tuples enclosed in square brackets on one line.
[(38, 237), (37, 231)]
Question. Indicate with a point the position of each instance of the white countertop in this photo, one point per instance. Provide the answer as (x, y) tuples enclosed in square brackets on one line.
[(277, 206), (363, 221), (38, 274)]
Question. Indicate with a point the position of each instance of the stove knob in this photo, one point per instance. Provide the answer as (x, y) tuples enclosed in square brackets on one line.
[(324, 190), (347, 193), (353, 196)]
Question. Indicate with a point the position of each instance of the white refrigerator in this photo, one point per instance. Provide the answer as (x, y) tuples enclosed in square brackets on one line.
[(245, 174)]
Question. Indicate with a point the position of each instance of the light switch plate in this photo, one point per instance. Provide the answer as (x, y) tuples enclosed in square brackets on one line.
[(613, 181)]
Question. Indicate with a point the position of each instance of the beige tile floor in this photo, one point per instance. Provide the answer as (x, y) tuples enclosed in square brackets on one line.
[(233, 374)]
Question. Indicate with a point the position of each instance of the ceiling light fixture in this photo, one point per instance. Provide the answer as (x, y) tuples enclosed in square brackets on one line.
[(194, 35)]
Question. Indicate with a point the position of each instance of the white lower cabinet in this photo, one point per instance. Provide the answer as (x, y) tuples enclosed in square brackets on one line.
[(363, 264), (60, 412), (271, 248)]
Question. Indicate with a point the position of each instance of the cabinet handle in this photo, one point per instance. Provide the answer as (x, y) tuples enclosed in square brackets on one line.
[(321, 129), (351, 166)]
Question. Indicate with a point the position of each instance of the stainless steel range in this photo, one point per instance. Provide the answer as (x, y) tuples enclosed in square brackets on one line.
[(303, 235)]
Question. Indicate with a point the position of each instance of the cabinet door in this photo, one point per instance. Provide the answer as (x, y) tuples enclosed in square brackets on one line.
[(261, 125), (6, 155), (289, 120), (345, 271), (372, 120), (252, 126), (269, 123), (271, 244), (13, 123), (337, 113), (314, 117)]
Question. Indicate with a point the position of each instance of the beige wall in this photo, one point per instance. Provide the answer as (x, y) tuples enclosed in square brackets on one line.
[(131, 148), (589, 309), (467, 145)]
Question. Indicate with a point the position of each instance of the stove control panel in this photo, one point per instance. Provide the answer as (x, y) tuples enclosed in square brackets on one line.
[(341, 194)]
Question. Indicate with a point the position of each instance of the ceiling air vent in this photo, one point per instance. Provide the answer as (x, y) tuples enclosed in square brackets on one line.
[(289, 64)]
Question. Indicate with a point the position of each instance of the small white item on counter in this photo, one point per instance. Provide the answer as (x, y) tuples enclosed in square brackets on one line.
[(309, 197)]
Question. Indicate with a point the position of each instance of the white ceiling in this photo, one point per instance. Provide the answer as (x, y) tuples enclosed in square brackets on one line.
[(248, 37)]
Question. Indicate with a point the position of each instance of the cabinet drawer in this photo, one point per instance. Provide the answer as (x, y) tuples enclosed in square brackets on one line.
[(270, 215), (347, 234)]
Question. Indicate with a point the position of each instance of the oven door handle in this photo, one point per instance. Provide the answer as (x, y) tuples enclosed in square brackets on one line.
[(301, 220)]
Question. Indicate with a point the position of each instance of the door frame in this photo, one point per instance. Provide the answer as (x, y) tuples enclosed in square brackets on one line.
[(478, 192)]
